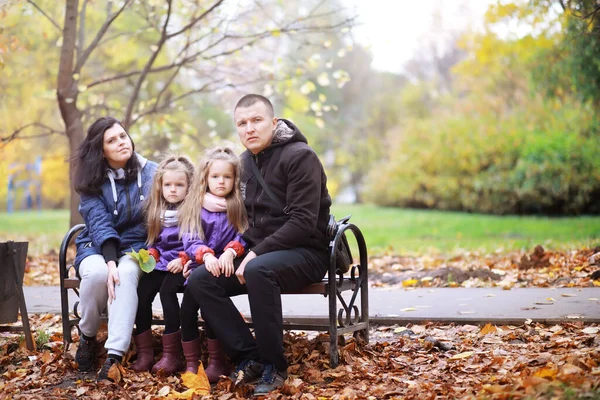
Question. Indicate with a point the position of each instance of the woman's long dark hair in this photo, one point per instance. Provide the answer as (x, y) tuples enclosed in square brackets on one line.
[(90, 164)]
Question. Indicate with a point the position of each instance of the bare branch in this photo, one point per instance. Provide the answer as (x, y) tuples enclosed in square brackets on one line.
[(81, 21), (158, 108), (45, 15), (255, 37), (4, 140), (195, 20), (136, 90), (109, 20)]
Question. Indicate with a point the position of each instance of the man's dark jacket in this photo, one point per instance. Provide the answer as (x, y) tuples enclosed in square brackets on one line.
[(295, 175)]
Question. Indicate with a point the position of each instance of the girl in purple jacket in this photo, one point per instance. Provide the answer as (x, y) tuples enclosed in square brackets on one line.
[(213, 239), (169, 188)]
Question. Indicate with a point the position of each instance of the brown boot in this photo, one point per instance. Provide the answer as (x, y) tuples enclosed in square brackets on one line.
[(217, 364), (171, 361), (191, 352), (145, 351)]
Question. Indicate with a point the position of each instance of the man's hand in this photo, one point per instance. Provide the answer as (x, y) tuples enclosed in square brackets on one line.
[(186, 269), (112, 281), (240, 271), (226, 263), (211, 263), (175, 266)]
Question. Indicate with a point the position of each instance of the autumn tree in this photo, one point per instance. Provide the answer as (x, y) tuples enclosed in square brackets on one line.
[(146, 60)]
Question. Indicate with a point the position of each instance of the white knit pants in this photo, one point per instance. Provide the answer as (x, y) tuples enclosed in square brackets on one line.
[(94, 296)]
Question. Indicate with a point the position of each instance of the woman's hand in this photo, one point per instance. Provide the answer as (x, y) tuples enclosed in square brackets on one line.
[(175, 266), (211, 263), (226, 263), (186, 269), (240, 271), (112, 281)]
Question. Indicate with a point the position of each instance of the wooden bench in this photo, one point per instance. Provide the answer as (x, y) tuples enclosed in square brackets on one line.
[(345, 315)]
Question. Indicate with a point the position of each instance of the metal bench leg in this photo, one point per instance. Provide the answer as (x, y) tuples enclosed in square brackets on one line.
[(333, 332)]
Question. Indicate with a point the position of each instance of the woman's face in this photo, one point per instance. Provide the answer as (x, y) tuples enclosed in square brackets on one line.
[(116, 146)]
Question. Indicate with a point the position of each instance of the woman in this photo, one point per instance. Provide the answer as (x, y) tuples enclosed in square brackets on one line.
[(112, 181)]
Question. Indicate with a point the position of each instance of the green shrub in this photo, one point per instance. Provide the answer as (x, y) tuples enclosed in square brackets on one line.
[(539, 159)]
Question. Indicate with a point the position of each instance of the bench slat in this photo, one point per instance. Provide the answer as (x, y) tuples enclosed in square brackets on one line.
[(315, 288)]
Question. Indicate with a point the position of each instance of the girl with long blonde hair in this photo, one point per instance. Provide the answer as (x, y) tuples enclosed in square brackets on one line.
[(212, 238), (169, 188)]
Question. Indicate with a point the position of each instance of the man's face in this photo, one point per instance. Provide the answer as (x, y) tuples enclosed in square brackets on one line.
[(255, 126)]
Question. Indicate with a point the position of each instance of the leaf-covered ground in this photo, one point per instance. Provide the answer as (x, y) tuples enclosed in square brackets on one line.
[(539, 268), (411, 362), (416, 362)]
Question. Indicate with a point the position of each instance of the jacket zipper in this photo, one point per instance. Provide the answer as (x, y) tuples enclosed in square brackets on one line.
[(255, 160), (128, 202)]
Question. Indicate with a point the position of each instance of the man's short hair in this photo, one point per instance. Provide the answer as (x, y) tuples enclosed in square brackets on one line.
[(251, 99)]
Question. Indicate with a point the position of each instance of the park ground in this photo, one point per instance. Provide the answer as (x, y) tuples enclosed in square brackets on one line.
[(426, 360)]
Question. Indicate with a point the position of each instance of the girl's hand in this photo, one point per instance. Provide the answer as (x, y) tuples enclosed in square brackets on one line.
[(240, 271), (226, 263), (175, 266), (186, 269), (113, 279), (211, 263)]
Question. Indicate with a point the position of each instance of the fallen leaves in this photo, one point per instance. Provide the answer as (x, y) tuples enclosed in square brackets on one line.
[(541, 268), (448, 361)]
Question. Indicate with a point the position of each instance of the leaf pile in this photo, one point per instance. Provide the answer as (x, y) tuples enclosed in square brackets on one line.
[(412, 362), (541, 268)]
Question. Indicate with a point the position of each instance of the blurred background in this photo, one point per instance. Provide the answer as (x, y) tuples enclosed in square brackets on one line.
[(440, 123)]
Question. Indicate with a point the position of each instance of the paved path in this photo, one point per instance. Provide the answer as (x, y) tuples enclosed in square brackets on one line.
[(401, 306)]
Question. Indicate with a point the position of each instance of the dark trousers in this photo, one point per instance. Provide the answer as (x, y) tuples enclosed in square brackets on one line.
[(189, 317), (267, 276), (168, 285)]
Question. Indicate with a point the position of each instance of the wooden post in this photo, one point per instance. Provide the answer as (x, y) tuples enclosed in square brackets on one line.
[(12, 299)]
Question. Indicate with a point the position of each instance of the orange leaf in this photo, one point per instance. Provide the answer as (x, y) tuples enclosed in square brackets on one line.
[(488, 328)]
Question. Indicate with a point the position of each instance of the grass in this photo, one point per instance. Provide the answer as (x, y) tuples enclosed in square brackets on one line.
[(402, 231), (43, 229), (386, 230)]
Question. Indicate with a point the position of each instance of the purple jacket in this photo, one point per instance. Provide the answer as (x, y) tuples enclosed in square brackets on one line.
[(168, 245), (218, 232)]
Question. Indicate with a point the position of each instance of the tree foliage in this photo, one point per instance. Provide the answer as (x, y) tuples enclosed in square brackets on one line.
[(162, 67), (496, 142)]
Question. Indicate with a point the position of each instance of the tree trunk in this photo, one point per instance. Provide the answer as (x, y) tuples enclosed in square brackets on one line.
[(76, 136), (66, 93)]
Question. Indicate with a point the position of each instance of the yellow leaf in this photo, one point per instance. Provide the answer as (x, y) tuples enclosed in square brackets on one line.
[(188, 394), (546, 372), (410, 282), (144, 255), (198, 382), (488, 328), (409, 309), (568, 295), (596, 283), (459, 356)]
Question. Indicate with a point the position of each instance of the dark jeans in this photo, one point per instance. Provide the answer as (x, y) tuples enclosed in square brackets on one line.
[(267, 276), (168, 285), (189, 317)]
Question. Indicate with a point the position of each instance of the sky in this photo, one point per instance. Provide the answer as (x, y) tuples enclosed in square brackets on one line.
[(394, 29)]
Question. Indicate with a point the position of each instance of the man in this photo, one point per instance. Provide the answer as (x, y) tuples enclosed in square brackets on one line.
[(287, 243)]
